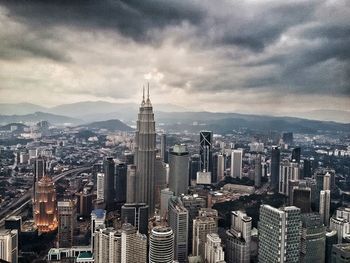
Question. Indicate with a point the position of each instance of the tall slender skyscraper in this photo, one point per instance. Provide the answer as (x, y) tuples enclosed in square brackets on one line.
[(206, 140), (145, 154), (163, 146), (178, 169), (275, 168), (66, 222), (109, 171), (325, 203), (236, 163)]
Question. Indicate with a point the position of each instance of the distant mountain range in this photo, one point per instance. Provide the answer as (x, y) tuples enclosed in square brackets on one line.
[(116, 116), (110, 125)]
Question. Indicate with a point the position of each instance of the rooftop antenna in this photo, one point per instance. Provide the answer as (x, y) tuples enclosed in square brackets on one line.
[(148, 90), (143, 93)]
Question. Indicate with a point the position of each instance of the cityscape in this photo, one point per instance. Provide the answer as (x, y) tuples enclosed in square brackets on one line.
[(194, 157)]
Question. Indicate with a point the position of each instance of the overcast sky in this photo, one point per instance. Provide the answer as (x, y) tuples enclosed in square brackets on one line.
[(239, 55)]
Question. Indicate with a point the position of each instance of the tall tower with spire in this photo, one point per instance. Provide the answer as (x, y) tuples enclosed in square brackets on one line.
[(145, 153)]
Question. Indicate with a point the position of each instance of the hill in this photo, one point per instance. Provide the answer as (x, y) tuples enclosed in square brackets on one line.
[(110, 125)]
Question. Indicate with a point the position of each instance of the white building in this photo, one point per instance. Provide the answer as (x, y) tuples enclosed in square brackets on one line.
[(100, 186), (325, 202), (289, 171), (9, 245), (236, 163), (213, 249)]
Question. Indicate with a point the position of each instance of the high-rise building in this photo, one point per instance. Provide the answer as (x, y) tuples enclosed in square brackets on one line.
[(327, 181), (325, 203), (301, 197), (342, 226), (163, 147), (45, 206), (107, 246), (331, 239), (109, 173), (258, 171), (9, 246), (205, 143), (39, 171), (145, 155), (205, 223), (130, 184), (133, 246), (341, 253), (100, 186), (178, 221), (296, 152), (159, 180), (238, 238), (161, 245), (193, 203), (307, 168), (178, 169), (165, 195), (313, 238), (213, 249), (137, 215), (236, 163), (120, 183), (221, 167), (194, 166), (287, 138), (98, 218), (288, 171), (275, 168), (84, 202), (14, 223), (279, 234), (66, 222)]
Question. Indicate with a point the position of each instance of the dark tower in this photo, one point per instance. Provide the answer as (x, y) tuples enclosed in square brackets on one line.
[(206, 140), (275, 168), (109, 171)]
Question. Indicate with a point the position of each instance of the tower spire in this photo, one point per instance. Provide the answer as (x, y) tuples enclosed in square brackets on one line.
[(147, 90), (143, 95)]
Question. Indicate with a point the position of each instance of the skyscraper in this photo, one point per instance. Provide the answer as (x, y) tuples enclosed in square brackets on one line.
[(238, 238), (288, 171), (213, 249), (107, 246), (279, 234), (296, 152), (159, 180), (120, 183), (325, 203), (137, 215), (236, 163), (301, 197), (145, 154), (178, 169), (39, 171), (275, 168), (221, 167), (130, 183), (205, 223), (66, 223), (178, 221), (109, 173), (195, 164), (134, 245), (205, 141), (45, 206), (98, 218), (258, 171), (100, 186), (9, 246), (161, 245), (163, 147), (313, 238)]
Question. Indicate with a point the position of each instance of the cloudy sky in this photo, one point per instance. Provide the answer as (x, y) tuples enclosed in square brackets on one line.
[(248, 56)]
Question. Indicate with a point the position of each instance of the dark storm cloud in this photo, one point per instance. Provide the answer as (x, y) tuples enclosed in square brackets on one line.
[(282, 47)]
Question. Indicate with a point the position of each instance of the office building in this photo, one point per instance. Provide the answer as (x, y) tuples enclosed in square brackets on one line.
[(279, 234), (161, 245), (342, 226), (289, 171), (45, 206), (205, 223), (287, 137), (108, 243), (341, 253), (313, 238), (178, 221), (327, 181), (84, 202), (159, 180), (66, 223), (100, 186), (109, 174), (205, 144), (14, 223), (145, 155), (258, 171), (275, 169), (301, 197), (130, 184), (213, 249), (178, 169), (325, 203), (221, 167), (137, 215), (203, 178), (296, 152), (236, 163), (120, 183), (98, 218), (133, 246), (194, 164), (9, 245), (163, 148), (165, 195), (331, 239), (238, 238)]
